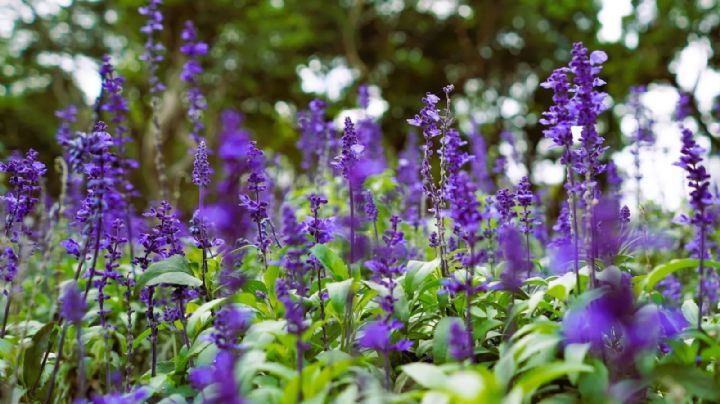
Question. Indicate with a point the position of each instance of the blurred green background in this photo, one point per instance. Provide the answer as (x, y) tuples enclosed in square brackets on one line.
[(268, 59)]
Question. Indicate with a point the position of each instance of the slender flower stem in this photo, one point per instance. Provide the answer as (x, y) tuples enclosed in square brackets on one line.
[(469, 275), (81, 365), (56, 367), (88, 285), (386, 366), (154, 332), (701, 294), (576, 235)]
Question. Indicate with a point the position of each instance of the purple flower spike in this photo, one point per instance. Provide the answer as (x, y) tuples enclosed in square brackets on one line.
[(193, 49), (72, 306), (201, 168)]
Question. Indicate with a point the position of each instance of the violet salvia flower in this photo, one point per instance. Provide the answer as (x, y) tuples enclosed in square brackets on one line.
[(408, 174), (618, 328), (161, 242), (386, 266), (434, 124), (458, 343), (163, 239), (67, 117), (642, 135), (231, 220), (320, 232), (588, 104), (115, 103), (230, 323), (700, 201), (527, 219), (296, 324), (364, 96), (671, 289), (683, 108), (114, 242), (295, 238), (377, 335), (345, 162), (479, 164), (315, 136), (371, 211), (252, 202), (153, 55), (193, 49), (153, 50), (516, 267), (505, 205), (625, 215), (24, 179), (560, 118), (139, 395), (220, 375), (201, 170), (72, 307)]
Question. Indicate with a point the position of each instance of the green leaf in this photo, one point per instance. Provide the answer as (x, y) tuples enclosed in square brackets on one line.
[(174, 271), (331, 261), (535, 378), (425, 374), (200, 316), (593, 386), (575, 353), (417, 272), (35, 352), (140, 338), (690, 311), (660, 272), (560, 288), (338, 292), (441, 339)]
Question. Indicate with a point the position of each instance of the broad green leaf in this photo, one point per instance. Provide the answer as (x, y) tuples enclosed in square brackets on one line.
[(174, 271), (441, 339), (593, 386), (425, 374), (537, 377), (338, 292), (660, 272), (575, 353), (331, 261), (690, 311), (35, 352), (140, 338), (200, 316), (560, 288), (417, 272)]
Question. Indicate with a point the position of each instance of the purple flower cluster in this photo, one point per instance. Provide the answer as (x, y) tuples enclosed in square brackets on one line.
[(201, 168), (221, 375), (154, 50), (24, 179), (193, 49), (163, 239), (72, 307), (316, 136), (114, 242)]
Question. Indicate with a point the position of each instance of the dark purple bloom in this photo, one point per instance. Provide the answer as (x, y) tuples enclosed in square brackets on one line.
[(8, 265), (516, 266), (163, 239), (221, 375), (71, 247), (316, 136), (67, 117), (624, 215), (479, 163), (671, 289), (114, 243), (525, 198), (24, 180), (683, 108), (505, 205), (371, 210), (376, 335), (230, 323), (350, 152), (319, 229), (201, 168), (386, 266), (136, 396), (154, 50), (193, 49), (363, 96), (112, 85), (459, 347), (72, 306)]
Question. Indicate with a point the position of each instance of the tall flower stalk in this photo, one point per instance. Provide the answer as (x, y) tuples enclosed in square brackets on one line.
[(24, 176), (588, 104), (201, 178), (154, 54), (701, 201), (160, 242), (254, 204), (193, 49), (525, 198), (434, 124), (559, 119), (318, 230)]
